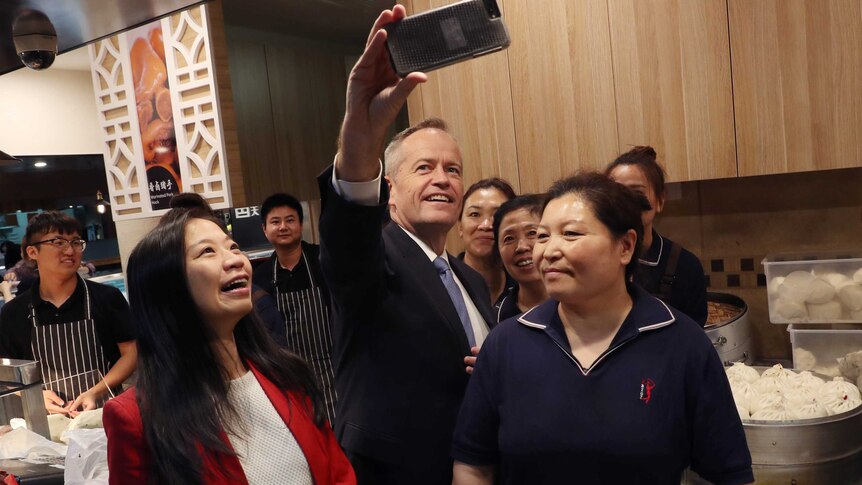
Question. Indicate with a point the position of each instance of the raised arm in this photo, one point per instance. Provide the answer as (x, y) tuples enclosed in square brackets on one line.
[(375, 95)]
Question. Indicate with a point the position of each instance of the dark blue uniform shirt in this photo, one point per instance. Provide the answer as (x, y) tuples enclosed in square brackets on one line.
[(688, 291), (507, 305), (654, 403)]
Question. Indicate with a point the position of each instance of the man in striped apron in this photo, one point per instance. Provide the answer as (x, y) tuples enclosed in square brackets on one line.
[(292, 276), (78, 331)]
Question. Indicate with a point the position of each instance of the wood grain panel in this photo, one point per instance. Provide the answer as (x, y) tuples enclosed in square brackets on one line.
[(673, 87), (475, 99), (797, 81), (562, 88), (230, 134), (260, 168), (307, 91)]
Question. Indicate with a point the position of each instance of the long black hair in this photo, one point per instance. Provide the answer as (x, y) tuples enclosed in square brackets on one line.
[(182, 386)]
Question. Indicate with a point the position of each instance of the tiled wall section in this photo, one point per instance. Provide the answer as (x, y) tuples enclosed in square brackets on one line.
[(731, 224)]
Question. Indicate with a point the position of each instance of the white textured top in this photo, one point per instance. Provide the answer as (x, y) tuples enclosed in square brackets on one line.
[(267, 450)]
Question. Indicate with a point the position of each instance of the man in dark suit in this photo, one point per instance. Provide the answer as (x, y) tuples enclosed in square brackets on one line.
[(407, 316)]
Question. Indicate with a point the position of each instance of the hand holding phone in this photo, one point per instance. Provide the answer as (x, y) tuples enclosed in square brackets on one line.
[(375, 95), (446, 35)]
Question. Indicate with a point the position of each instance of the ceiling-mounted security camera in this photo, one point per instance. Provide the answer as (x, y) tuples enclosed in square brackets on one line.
[(35, 39)]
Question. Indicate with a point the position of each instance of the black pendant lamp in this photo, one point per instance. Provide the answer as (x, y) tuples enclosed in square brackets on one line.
[(7, 160)]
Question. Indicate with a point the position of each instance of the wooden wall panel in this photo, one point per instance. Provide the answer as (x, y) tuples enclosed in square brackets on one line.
[(307, 90), (475, 99), (673, 84), (797, 82), (562, 88), (230, 135), (260, 168)]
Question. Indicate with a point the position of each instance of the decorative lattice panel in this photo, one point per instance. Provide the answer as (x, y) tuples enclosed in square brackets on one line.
[(109, 62), (129, 113), (195, 103)]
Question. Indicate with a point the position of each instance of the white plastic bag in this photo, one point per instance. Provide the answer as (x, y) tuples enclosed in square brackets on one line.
[(87, 458), (23, 443)]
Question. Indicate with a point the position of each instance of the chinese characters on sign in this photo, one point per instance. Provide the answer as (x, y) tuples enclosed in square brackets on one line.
[(244, 212)]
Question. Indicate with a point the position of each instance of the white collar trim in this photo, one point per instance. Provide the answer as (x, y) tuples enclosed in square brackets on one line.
[(660, 324), (523, 320), (660, 249)]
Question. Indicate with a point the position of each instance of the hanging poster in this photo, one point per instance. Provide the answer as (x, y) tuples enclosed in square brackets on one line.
[(155, 113)]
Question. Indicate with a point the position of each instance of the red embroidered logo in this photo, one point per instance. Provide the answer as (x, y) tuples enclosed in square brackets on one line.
[(647, 385)]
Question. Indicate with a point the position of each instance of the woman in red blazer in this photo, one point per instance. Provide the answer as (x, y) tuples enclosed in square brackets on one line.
[(190, 295)]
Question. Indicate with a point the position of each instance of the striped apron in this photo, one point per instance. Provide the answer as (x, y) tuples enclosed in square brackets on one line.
[(70, 355), (306, 317)]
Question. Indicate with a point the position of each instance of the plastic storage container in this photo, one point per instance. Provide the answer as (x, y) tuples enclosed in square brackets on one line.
[(814, 288), (819, 347)]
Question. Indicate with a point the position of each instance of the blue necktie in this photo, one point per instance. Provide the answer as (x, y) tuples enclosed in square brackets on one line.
[(456, 296)]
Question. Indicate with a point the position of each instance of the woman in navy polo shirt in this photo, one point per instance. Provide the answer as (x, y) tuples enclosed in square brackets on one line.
[(667, 270), (603, 383), (515, 229)]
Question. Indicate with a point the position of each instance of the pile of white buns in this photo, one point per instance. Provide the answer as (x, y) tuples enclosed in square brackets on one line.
[(781, 394), (819, 295)]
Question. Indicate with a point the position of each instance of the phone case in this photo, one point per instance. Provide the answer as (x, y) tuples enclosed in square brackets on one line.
[(446, 35)]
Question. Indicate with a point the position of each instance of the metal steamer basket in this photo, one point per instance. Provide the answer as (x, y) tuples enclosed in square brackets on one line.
[(731, 337), (811, 451), (822, 450)]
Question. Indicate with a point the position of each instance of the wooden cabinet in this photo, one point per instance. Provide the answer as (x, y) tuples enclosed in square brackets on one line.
[(797, 84), (671, 75), (721, 88), (584, 81), (562, 88)]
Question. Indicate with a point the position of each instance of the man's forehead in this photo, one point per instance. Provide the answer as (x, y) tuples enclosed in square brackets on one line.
[(282, 211), (428, 141), (56, 233)]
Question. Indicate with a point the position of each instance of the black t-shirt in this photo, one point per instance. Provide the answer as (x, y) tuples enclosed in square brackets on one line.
[(108, 308), (288, 280)]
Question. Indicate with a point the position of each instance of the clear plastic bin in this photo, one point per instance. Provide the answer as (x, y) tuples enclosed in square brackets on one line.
[(814, 288), (818, 347)]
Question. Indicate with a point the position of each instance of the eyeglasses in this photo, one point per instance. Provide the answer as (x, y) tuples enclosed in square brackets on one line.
[(61, 244)]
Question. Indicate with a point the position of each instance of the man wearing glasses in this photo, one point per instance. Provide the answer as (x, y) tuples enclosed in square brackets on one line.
[(79, 331)]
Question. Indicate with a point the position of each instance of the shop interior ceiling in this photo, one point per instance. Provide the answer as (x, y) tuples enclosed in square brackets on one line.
[(342, 21), (80, 22)]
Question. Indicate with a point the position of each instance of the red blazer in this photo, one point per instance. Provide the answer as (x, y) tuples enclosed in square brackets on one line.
[(128, 454)]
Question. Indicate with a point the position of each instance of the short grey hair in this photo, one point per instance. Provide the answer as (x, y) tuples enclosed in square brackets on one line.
[(392, 156)]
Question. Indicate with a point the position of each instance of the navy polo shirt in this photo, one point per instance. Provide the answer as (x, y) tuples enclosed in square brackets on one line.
[(507, 305), (688, 292), (656, 402)]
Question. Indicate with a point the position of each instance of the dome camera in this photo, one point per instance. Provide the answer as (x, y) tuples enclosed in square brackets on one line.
[(35, 39)]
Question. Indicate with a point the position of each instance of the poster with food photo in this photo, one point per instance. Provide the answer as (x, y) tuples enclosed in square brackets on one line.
[(155, 113)]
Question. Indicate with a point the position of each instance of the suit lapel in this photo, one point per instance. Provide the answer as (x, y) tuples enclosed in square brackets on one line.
[(426, 277)]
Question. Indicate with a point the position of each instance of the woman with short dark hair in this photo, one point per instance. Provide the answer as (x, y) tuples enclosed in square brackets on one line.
[(516, 225), (603, 383), (216, 400)]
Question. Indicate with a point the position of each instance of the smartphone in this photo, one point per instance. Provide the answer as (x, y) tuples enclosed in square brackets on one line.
[(446, 35)]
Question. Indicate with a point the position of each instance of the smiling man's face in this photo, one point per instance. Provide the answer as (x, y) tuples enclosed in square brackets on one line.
[(426, 190)]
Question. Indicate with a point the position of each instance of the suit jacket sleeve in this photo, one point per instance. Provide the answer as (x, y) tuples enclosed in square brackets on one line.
[(351, 248), (126, 445)]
